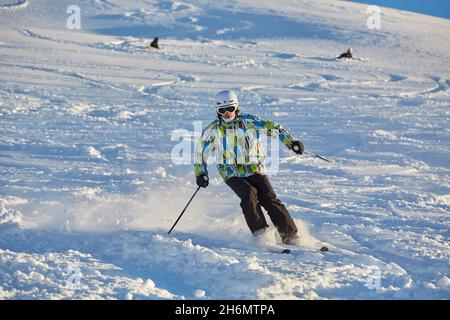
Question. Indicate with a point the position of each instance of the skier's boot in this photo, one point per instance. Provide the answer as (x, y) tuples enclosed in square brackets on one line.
[(292, 240), (263, 235)]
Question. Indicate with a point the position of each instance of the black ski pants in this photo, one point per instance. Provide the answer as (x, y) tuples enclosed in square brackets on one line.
[(256, 191)]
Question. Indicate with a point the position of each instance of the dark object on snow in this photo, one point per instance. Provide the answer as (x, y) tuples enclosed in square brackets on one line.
[(256, 191), (154, 43), (347, 55)]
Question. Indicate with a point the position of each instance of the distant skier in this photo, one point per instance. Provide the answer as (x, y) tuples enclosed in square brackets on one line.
[(240, 162), (154, 44), (346, 55)]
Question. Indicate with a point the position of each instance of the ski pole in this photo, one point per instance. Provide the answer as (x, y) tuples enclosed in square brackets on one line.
[(317, 156), (183, 210)]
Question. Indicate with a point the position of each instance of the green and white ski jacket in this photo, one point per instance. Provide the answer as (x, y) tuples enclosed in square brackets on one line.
[(238, 145)]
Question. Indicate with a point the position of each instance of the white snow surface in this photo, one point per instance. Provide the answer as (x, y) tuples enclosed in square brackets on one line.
[(88, 190)]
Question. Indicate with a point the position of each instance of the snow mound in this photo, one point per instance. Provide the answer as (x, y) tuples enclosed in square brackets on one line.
[(9, 216), (70, 274)]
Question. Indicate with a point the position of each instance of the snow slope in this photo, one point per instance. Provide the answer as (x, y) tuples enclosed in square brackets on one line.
[(88, 189)]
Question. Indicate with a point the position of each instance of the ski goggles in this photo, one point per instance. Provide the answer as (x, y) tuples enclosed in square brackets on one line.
[(224, 110)]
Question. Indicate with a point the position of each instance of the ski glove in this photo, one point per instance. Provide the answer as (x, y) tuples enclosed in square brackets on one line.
[(297, 147), (202, 180)]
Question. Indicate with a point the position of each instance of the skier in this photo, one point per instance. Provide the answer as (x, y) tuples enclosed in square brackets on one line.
[(240, 163), (154, 44), (347, 55)]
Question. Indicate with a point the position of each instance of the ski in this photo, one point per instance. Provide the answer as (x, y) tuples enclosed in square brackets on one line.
[(289, 251), (284, 249)]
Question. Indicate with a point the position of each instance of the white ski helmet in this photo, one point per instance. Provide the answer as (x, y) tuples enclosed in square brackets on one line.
[(226, 98)]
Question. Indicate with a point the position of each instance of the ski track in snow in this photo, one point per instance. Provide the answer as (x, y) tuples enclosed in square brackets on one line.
[(87, 186), (66, 73)]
